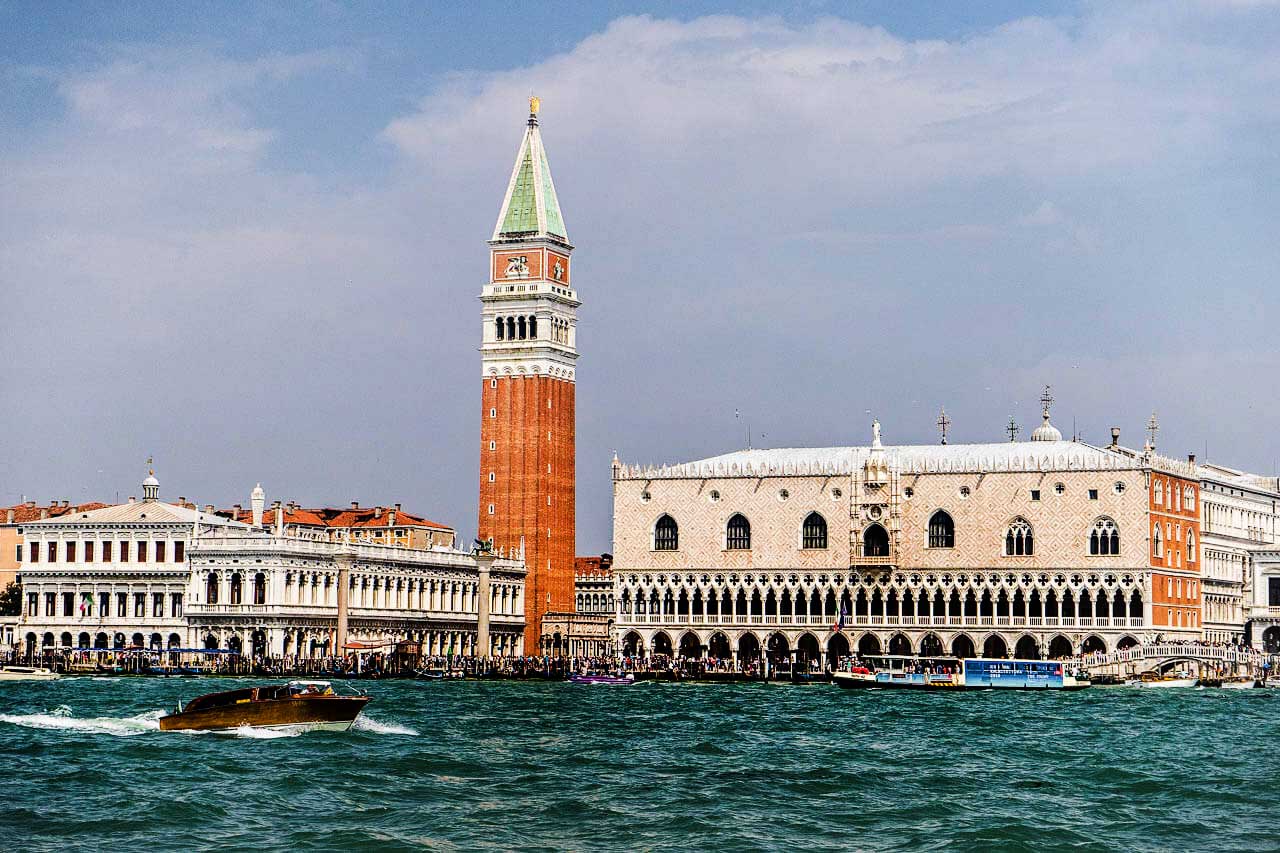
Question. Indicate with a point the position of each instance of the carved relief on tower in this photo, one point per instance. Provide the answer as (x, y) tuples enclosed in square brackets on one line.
[(517, 266), (558, 268)]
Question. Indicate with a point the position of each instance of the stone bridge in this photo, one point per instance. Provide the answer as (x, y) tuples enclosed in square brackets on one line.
[(1160, 656)]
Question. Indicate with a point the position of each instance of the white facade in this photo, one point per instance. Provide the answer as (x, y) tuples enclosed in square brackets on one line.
[(277, 596), (1239, 517), (112, 577), (1041, 548), (1262, 605)]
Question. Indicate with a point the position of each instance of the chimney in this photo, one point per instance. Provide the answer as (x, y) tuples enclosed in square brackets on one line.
[(182, 501), (44, 513), (355, 504), (66, 502), (132, 498), (1115, 436), (208, 508), (391, 516), (8, 516), (236, 509), (1191, 457), (377, 512), (279, 512), (31, 504)]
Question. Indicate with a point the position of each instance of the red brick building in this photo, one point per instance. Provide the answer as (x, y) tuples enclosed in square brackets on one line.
[(528, 352), (1175, 551)]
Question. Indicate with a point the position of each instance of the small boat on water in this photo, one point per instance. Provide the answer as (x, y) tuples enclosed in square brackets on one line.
[(945, 674), (303, 705), (602, 679), (27, 673), (1244, 682), (1157, 679)]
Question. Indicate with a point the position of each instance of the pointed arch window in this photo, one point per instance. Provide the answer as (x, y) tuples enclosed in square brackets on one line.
[(942, 530), (1191, 545), (738, 533), (1019, 539), (875, 541), (813, 533), (1157, 541), (1189, 499), (666, 534), (1104, 538)]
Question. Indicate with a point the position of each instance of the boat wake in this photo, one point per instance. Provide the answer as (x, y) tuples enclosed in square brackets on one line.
[(250, 733), (364, 723), (61, 719)]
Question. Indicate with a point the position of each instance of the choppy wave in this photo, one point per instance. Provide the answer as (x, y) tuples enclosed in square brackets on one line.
[(62, 719), (365, 723)]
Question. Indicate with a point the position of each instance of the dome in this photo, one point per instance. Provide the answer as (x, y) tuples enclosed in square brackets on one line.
[(1046, 432), (151, 480)]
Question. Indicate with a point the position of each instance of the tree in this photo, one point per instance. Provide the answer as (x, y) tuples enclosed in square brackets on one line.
[(11, 600)]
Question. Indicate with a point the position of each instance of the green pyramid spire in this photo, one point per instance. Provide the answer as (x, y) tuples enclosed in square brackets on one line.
[(531, 209)]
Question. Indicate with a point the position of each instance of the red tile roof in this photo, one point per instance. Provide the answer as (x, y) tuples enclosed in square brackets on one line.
[(31, 511), (601, 566), (338, 518)]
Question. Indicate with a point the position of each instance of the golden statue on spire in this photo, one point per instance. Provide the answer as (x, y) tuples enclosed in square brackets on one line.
[(535, 103)]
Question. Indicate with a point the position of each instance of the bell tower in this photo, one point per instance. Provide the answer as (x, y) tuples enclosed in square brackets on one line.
[(528, 351)]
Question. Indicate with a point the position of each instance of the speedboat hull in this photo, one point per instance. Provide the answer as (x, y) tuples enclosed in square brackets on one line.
[(1169, 682), (328, 713), (601, 679)]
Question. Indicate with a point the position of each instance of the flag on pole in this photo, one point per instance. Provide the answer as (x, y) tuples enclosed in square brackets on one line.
[(839, 626)]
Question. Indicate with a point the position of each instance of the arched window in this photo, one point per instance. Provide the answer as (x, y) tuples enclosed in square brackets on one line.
[(875, 541), (1191, 545), (1159, 492), (942, 531), (1189, 498), (1104, 538), (235, 589), (1019, 540), (666, 534), (533, 327), (259, 588), (211, 588), (520, 326), (502, 329), (738, 534), (1157, 541), (814, 532), (511, 328)]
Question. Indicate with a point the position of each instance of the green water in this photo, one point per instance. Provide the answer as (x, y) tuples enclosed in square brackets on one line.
[(532, 766)]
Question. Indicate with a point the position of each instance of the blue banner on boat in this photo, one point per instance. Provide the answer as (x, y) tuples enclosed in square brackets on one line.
[(1012, 673)]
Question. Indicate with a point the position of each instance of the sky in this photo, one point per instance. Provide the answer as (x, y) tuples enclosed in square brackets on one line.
[(247, 239)]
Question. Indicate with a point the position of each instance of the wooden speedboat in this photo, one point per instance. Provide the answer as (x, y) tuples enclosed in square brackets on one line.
[(1155, 679), (297, 705), (1243, 682), (27, 673), (602, 679)]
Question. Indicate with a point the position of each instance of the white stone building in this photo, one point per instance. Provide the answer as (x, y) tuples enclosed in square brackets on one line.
[(113, 577), (1239, 518), (259, 594), (1262, 602), (1034, 548)]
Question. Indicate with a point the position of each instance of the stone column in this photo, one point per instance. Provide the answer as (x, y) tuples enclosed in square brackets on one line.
[(344, 562), (484, 562)]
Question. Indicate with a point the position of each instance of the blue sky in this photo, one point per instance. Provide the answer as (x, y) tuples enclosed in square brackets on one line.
[(249, 241)]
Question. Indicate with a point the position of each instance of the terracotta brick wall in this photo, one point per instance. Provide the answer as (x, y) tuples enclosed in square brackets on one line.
[(532, 428)]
